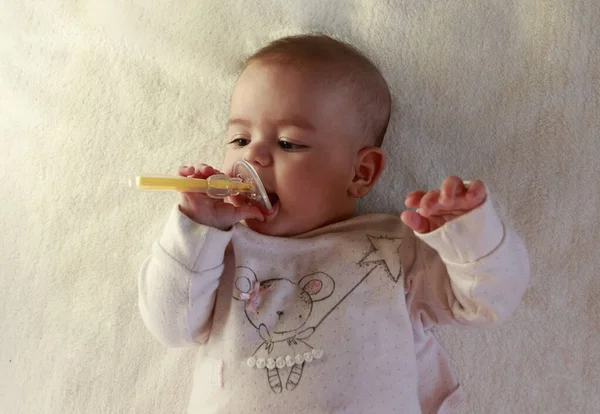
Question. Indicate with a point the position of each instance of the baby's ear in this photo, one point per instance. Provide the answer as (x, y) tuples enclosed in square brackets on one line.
[(369, 164), (244, 277), (318, 285)]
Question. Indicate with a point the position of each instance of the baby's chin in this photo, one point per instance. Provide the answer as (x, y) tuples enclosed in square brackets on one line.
[(268, 229), (276, 224), (278, 227), (280, 223)]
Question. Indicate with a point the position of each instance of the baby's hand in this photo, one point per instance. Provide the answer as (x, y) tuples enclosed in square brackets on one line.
[(437, 207), (210, 211)]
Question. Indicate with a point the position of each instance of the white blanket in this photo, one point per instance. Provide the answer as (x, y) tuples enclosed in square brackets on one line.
[(93, 91)]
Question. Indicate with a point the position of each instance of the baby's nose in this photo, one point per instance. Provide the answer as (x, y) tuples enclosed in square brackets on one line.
[(279, 313), (258, 154)]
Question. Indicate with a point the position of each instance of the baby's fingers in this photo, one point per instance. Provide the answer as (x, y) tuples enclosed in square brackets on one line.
[(473, 197), (205, 171), (201, 171), (415, 221), (476, 193), (413, 199), (247, 212), (185, 171), (421, 224), (429, 204), (451, 188)]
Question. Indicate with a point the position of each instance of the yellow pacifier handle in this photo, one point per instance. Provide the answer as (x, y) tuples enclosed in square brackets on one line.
[(218, 185)]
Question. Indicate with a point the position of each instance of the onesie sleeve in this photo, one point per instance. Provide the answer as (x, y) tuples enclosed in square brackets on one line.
[(177, 284), (472, 271)]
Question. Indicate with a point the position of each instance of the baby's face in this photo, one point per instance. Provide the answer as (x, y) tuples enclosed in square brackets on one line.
[(298, 137)]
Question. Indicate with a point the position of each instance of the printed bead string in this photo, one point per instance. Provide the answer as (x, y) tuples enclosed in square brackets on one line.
[(283, 361)]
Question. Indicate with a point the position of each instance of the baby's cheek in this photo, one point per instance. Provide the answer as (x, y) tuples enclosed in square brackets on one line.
[(228, 161), (298, 198)]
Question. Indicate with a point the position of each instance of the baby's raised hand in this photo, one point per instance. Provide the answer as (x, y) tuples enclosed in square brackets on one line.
[(210, 211), (437, 207)]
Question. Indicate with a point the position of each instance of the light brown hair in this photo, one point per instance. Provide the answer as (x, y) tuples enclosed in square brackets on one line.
[(344, 66)]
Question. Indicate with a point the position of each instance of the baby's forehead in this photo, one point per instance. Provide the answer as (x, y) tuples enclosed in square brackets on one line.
[(312, 75), (322, 84), (319, 73), (301, 80)]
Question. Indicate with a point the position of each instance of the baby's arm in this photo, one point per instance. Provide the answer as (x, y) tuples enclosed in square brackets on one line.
[(178, 282), (473, 270)]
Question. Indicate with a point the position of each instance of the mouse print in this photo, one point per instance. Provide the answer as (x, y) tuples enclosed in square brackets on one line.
[(279, 309)]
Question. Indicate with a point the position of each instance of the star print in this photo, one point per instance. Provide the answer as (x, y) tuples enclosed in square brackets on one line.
[(385, 252)]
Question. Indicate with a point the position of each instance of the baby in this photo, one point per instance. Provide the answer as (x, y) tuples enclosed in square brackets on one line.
[(309, 308)]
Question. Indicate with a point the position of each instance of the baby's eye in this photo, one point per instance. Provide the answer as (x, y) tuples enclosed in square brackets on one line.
[(290, 146), (240, 142)]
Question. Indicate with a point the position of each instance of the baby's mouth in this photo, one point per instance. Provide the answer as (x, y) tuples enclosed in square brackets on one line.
[(271, 214), (273, 198)]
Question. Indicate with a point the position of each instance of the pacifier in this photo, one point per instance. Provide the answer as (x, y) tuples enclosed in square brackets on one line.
[(245, 182)]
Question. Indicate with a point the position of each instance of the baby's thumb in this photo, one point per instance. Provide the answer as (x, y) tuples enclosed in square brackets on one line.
[(247, 212)]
